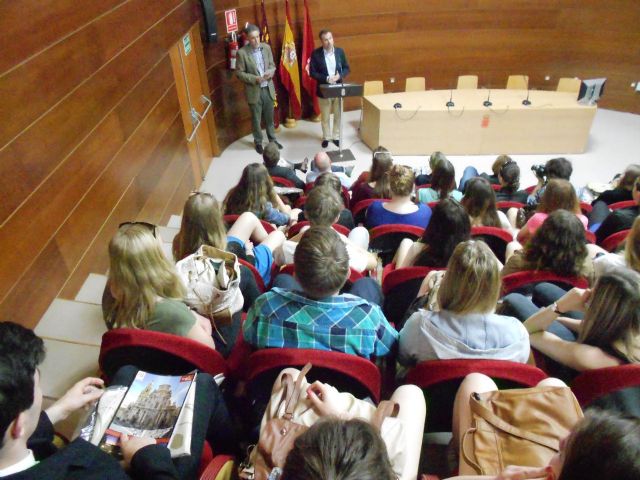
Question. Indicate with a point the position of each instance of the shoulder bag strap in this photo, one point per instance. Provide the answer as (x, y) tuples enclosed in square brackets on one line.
[(294, 396), (385, 409)]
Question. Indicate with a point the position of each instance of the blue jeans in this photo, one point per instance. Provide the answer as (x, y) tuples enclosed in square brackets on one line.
[(467, 175)]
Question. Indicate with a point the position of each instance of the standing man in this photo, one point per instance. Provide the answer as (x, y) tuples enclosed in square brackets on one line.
[(255, 67), (329, 66)]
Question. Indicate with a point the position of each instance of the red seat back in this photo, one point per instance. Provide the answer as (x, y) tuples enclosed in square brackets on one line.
[(295, 228), (624, 204), (506, 205), (585, 208), (496, 238), (271, 361), (613, 241), (591, 385), (156, 352), (359, 210), (386, 238), (231, 219), (518, 280), (496, 187), (282, 182)]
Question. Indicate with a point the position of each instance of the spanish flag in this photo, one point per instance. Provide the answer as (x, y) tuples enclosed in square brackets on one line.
[(289, 74)]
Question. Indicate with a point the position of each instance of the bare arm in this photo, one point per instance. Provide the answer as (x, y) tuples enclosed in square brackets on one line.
[(572, 324), (577, 356), (201, 331)]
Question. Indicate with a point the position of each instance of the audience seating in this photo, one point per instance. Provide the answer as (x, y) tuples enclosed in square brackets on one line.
[(156, 352), (359, 210), (496, 238), (221, 467), (385, 239), (625, 204), (496, 187), (590, 236), (585, 208), (295, 229), (282, 182), (517, 82), (424, 185), (400, 288), (440, 379), (519, 280), (613, 241), (346, 372), (530, 189), (506, 205), (570, 85), (415, 84), (617, 387), (256, 275), (299, 203), (467, 82), (290, 269), (231, 219)]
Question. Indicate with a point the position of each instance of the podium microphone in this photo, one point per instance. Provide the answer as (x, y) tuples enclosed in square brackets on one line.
[(450, 102), (487, 102), (526, 101)]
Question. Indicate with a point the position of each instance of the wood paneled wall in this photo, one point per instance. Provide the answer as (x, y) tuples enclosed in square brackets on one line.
[(441, 39), (91, 134)]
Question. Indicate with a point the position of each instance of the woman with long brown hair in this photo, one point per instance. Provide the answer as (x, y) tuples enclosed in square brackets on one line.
[(377, 183)]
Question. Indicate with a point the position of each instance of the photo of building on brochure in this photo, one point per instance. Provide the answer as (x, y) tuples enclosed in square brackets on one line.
[(149, 409)]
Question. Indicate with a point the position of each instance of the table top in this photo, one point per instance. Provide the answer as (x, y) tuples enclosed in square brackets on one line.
[(435, 100)]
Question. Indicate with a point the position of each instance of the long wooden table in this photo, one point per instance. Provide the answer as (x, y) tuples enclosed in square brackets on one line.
[(554, 122)]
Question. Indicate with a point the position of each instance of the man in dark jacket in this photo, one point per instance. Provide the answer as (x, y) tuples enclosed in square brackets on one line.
[(329, 66), (271, 157)]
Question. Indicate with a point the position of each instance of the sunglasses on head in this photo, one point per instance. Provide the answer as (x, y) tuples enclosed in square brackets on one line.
[(149, 226)]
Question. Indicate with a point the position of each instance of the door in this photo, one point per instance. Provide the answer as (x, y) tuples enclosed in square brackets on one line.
[(187, 61)]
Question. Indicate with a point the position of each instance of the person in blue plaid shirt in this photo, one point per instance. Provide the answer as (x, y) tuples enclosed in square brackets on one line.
[(319, 317)]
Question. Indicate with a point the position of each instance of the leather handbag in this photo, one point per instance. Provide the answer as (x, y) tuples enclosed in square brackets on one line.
[(518, 427), (212, 278)]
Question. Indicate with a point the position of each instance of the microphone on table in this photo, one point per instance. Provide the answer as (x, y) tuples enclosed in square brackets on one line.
[(450, 103), (487, 102), (526, 101)]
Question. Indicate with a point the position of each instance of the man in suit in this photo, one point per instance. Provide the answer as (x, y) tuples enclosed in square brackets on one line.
[(329, 66), (255, 68), (271, 157)]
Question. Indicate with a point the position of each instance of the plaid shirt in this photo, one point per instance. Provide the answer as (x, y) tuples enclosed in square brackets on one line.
[(343, 323)]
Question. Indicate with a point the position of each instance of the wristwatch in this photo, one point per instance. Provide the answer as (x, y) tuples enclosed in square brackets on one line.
[(556, 310)]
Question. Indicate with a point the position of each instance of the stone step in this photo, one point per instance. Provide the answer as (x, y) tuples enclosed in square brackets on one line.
[(71, 321), (92, 288)]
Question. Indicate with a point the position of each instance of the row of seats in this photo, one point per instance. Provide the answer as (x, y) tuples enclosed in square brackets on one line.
[(470, 82)]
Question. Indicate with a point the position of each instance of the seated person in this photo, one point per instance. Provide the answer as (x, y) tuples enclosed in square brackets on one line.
[(466, 325), (620, 219), (509, 178), (622, 192), (323, 209), (424, 178), (202, 224), (400, 209), (254, 193), (443, 184), (144, 290), (606, 337), (377, 183), (559, 246), (556, 168), (330, 180), (602, 445), (630, 258), (27, 450), (271, 157), (318, 317), (449, 225), (493, 178), (480, 203), (322, 163), (558, 195)]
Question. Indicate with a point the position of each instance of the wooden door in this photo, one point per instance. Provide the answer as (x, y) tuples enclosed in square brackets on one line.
[(190, 75)]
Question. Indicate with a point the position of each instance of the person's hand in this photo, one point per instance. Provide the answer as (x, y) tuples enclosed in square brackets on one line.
[(574, 300), (82, 394), (259, 80), (324, 399), (131, 445), (513, 472), (248, 247)]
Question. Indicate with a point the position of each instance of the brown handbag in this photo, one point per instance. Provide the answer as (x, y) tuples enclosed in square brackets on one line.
[(518, 427)]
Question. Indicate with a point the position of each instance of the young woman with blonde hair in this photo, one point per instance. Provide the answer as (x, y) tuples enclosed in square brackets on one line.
[(466, 325), (400, 210), (255, 193), (144, 290)]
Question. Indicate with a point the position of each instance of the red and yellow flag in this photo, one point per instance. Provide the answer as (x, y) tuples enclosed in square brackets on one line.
[(308, 83), (289, 74)]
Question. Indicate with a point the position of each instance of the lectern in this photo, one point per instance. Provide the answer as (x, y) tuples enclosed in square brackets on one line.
[(341, 90)]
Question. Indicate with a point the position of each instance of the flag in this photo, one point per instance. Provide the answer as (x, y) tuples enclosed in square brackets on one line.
[(266, 38), (308, 83), (289, 74)]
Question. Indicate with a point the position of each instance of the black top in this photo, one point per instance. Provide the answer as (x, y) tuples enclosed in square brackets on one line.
[(287, 173), (616, 221), (613, 196), (519, 196), (318, 67)]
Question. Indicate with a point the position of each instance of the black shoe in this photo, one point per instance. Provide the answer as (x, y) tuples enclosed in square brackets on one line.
[(336, 143), (259, 148), (325, 143)]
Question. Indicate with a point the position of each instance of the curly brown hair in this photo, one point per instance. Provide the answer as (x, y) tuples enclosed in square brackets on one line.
[(558, 245)]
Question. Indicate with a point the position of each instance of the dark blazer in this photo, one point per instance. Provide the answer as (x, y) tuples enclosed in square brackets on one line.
[(82, 460), (318, 67), (287, 173)]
